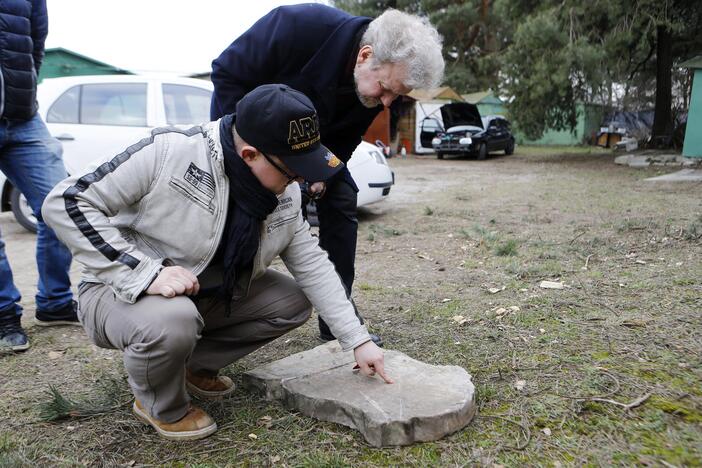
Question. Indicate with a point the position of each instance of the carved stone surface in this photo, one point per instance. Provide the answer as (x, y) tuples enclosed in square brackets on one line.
[(425, 403)]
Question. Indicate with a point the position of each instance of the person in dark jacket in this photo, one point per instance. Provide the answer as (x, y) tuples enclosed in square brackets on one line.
[(350, 67), (31, 159)]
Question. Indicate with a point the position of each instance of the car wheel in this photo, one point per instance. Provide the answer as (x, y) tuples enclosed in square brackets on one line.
[(22, 211), (482, 152), (510, 148), (439, 155)]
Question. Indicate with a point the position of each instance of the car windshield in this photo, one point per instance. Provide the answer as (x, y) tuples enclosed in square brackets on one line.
[(464, 128)]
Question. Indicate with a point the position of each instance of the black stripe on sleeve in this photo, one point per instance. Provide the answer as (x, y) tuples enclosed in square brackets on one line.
[(105, 169)]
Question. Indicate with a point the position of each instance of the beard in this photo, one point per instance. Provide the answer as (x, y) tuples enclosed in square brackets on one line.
[(366, 101)]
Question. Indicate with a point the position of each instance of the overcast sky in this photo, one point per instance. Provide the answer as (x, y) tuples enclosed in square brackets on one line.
[(144, 36)]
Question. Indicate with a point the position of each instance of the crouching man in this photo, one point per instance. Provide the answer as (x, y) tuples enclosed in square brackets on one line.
[(176, 235)]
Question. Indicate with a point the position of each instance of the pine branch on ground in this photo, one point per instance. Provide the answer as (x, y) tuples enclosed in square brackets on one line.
[(59, 407)]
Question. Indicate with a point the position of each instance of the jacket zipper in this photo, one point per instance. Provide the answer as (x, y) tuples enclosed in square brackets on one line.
[(223, 191), (2, 94)]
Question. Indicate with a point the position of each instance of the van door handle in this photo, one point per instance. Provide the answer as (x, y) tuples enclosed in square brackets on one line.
[(65, 137)]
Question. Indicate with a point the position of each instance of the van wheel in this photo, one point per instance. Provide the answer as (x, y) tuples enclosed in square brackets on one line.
[(22, 211), (439, 155), (510, 148)]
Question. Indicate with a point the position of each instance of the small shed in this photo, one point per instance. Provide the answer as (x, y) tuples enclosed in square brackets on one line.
[(585, 132), (379, 129), (63, 62), (412, 110), (487, 102), (397, 126), (202, 76), (692, 147)]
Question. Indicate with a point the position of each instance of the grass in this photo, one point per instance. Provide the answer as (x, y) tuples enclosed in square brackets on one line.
[(507, 248), (556, 150), (619, 330), (693, 232)]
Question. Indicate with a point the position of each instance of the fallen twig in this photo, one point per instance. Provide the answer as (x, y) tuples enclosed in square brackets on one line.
[(626, 406), (580, 234), (617, 386)]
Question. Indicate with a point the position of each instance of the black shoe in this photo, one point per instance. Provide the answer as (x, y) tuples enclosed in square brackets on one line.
[(12, 336), (64, 316), (377, 340), (325, 333)]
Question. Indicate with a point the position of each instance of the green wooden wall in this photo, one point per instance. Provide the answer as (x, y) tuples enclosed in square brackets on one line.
[(588, 123), (62, 62), (692, 148)]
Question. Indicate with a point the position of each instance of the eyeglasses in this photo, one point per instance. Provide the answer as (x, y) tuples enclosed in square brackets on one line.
[(291, 178)]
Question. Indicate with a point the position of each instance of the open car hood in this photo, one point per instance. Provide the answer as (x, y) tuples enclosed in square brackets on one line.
[(460, 113)]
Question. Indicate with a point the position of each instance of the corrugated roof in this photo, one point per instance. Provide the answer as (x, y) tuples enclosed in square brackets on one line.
[(695, 62), (444, 92), (482, 97), (62, 50)]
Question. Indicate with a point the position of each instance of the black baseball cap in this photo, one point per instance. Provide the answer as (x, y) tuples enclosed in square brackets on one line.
[(280, 121)]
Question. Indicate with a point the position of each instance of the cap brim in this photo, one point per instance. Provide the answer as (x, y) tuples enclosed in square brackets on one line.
[(316, 165)]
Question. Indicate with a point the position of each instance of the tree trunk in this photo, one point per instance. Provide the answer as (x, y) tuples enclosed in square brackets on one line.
[(662, 117)]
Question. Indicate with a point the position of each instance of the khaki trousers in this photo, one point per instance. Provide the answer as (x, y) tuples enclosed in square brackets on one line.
[(160, 336)]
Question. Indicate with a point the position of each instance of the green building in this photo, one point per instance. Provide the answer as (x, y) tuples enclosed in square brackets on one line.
[(63, 62), (487, 103), (692, 148), (589, 119)]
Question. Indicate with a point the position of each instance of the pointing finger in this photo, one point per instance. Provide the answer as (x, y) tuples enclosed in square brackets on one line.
[(380, 369)]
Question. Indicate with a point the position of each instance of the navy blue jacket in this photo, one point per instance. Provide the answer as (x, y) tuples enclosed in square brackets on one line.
[(308, 47), (24, 25)]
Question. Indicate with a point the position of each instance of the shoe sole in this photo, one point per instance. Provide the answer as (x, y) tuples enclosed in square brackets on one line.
[(185, 435), (207, 394), (23, 347), (56, 323)]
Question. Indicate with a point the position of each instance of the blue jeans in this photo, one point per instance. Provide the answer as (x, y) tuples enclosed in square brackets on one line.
[(31, 159)]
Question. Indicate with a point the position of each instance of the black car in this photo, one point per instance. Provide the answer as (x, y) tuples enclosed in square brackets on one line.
[(464, 132)]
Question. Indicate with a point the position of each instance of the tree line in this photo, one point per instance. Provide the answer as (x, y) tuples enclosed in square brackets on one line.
[(548, 55)]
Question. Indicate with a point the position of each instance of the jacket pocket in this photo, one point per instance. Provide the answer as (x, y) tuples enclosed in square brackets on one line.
[(192, 194)]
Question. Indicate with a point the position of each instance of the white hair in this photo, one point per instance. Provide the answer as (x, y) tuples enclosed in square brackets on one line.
[(398, 37)]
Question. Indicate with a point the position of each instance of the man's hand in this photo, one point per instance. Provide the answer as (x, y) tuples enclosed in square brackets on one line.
[(174, 281), (317, 190), (370, 360)]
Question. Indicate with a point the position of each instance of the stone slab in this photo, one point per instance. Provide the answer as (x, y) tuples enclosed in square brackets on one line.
[(646, 159), (685, 175), (425, 403)]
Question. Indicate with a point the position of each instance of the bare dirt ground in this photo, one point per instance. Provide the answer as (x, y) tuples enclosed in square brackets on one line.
[(554, 368)]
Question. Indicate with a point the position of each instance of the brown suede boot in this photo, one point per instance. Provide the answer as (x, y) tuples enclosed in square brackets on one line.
[(209, 387), (196, 424)]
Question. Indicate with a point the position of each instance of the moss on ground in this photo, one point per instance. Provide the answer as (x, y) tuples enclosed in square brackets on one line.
[(626, 324)]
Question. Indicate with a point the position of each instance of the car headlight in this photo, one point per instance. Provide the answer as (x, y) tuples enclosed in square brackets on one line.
[(378, 157), (465, 141), (436, 141)]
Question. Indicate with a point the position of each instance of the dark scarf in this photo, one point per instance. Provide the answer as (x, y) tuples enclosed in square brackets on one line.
[(249, 205)]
